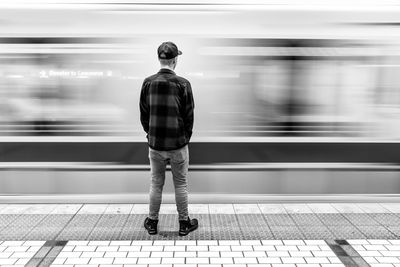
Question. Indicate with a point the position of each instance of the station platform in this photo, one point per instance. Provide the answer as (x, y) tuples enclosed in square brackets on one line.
[(273, 235)]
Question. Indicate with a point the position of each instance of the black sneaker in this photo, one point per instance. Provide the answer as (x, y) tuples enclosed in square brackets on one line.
[(185, 227), (151, 226)]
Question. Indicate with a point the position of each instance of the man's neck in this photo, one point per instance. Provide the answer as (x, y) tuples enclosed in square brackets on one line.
[(167, 67)]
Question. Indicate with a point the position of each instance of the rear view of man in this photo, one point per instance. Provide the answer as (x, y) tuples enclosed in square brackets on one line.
[(166, 114)]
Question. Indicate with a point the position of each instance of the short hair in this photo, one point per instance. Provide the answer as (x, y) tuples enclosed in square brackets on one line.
[(166, 62)]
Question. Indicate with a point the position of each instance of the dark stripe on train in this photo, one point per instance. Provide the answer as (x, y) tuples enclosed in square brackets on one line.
[(204, 153)]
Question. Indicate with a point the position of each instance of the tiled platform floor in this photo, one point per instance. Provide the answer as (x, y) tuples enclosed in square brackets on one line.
[(18, 252), (217, 222), (203, 252), (192, 253), (272, 235)]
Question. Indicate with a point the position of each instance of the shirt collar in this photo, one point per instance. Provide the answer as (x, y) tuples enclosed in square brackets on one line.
[(166, 71)]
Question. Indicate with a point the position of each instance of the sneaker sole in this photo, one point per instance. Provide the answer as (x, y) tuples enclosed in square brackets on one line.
[(186, 233), (149, 231)]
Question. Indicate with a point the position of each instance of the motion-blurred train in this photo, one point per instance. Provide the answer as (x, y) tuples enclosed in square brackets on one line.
[(292, 100)]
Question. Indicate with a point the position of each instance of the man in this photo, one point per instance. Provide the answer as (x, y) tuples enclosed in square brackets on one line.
[(166, 114)]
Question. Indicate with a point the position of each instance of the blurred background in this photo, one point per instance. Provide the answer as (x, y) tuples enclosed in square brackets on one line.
[(263, 73), (257, 68)]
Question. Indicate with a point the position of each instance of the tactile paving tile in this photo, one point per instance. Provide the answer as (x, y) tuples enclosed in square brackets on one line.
[(360, 219), (286, 232), (43, 233), (224, 220), (142, 235), (252, 220), (214, 226), (204, 230), (79, 227), (14, 233), (253, 234), (112, 220), (386, 218), (105, 233), (49, 227), (279, 219), (133, 228), (395, 230), (376, 232), (168, 222), (345, 232), (306, 219), (254, 226), (28, 220), (225, 226), (108, 227), (316, 232), (54, 220), (6, 219), (75, 233), (80, 220), (168, 226), (227, 234), (333, 219), (21, 226)]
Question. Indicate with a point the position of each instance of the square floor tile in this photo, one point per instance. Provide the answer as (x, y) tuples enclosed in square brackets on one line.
[(198, 209), (246, 209), (15, 209), (93, 209), (118, 209), (347, 208), (322, 208), (372, 208), (168, 209), (297, 208), (140, 209), (393, 207), (40, 209), (67, 209), (221, 209), (272, 208)]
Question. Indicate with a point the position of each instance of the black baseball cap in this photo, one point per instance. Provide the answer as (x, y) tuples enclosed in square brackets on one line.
[(168, 50)]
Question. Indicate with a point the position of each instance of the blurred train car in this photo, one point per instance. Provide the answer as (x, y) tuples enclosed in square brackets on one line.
[(293, 100)]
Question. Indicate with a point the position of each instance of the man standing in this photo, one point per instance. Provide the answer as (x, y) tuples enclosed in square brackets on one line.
[(166, 114)]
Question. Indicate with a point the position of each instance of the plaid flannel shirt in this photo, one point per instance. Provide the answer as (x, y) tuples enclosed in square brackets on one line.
[(166, 110)]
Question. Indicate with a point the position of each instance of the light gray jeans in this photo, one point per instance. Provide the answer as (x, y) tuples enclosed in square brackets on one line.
[(179, 160)]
